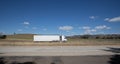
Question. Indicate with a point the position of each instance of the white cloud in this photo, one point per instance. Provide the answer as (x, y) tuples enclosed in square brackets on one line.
[(89, 30), (115, 19), (92, 17), (20, 30), (1, 33), (106, 19), (26, 23), (102, 27), (65, 28), (85, 27)]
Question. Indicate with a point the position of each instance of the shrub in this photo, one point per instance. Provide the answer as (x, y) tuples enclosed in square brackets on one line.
[(3, 36)]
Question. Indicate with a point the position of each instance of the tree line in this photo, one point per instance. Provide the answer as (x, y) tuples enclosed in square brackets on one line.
[(101, 36)]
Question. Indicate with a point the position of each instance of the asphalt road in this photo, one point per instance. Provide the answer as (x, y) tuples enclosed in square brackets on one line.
[(60, 54), (58, 50)]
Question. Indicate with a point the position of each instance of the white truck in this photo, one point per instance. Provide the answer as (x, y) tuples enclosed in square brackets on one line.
[(49, 38)]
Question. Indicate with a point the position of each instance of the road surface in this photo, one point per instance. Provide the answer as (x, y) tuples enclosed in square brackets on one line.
[(58, 50)]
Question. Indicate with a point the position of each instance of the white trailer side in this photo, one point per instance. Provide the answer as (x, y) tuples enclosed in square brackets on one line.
[(49, 38)]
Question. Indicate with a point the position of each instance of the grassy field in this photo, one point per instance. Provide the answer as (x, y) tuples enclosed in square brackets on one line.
[(27, 40), (20, 37)]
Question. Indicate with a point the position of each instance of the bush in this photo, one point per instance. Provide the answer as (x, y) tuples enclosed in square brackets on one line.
[(3, 36)]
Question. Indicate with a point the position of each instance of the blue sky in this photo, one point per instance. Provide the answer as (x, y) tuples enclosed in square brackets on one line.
[(67, 17)]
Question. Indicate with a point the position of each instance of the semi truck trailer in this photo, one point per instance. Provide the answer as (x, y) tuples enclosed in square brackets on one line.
[(49, 38)]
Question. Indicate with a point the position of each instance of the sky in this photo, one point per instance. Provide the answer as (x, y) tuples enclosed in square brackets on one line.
[(67, 17)]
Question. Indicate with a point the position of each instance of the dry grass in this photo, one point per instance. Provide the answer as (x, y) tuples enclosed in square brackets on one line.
[(20, 37), (68, 43), (27, 40)]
